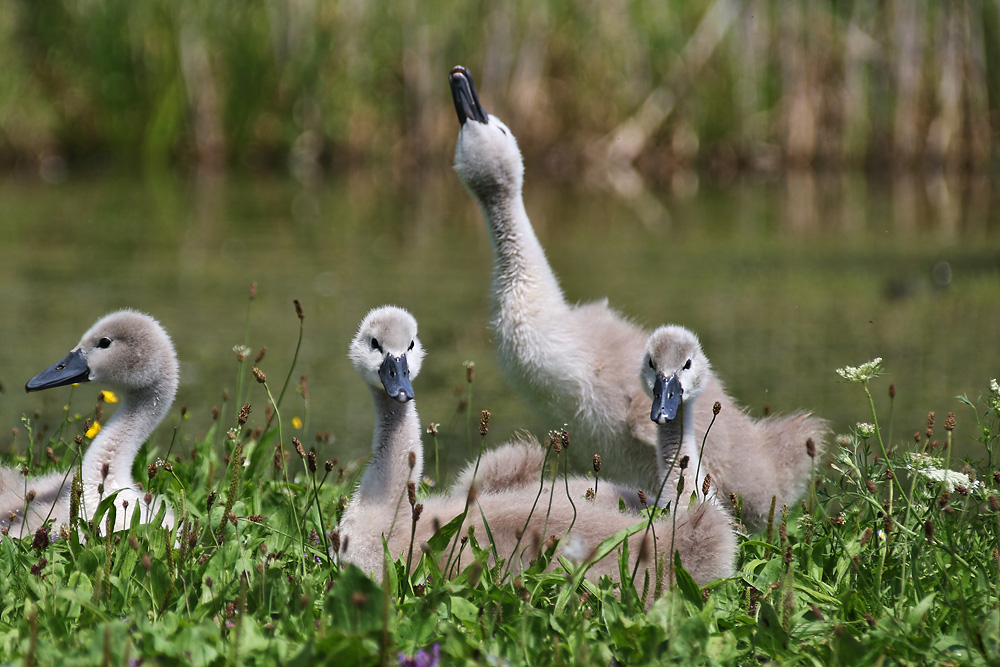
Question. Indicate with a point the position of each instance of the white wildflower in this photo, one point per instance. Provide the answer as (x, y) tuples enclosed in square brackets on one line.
[(866, 430), (843, 440), (994, 394), (951, 478), (918, 460), (242, 351), (862, 373)]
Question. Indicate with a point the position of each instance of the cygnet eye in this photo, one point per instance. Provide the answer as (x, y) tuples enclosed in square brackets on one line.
[(411, 346), (375, 345), (104, 343), (650, 362), (687, 365), (502, 130)]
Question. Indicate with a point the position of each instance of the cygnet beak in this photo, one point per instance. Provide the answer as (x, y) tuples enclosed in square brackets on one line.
[(72, 368), (667, 395), (395, 378), (463, 92)]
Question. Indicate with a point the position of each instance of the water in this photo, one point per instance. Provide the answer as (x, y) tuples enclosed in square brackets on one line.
[(784, 280)]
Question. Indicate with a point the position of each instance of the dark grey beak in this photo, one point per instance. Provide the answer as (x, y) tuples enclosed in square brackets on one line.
[(72, 368), (463, 92), (667, 395), (395, 378)]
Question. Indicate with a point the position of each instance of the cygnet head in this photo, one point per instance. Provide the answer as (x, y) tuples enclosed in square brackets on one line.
[(126, 350), (673, 370), (386, 352), (487, 158)]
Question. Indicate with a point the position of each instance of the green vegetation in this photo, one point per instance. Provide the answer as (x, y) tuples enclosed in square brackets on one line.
[(720, 83), (889, 560)]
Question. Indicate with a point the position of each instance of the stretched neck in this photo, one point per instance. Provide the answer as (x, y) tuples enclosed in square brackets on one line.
[(397, 434), (520, 266)]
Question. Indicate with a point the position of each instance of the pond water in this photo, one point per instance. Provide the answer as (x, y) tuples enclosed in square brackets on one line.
[(785, 279)]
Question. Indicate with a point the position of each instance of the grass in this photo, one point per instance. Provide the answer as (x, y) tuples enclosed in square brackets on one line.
[(290, 86), (880, 564)]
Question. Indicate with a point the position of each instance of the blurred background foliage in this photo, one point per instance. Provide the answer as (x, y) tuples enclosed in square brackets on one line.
[(606, 88)]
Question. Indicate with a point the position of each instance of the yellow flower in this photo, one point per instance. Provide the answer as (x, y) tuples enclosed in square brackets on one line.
[(94, 429), (296, 422), (109, 396)]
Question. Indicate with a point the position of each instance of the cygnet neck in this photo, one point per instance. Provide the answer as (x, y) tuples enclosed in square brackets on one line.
[(519, 259), (120, 439), (396, 435)]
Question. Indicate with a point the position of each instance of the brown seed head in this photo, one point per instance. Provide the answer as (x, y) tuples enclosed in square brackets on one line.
[(412, 459), (716, 408), (916, 436), (432, 429), (215, 413), (590, 495), (411, 493), (105, 469), (929, 530), (253, 290), (642, 497), (211, 499), (328, 466), (244, 414), (260, 354), (256, 518), (871, 486), (949, 422), (892, 391), (564, 438), (148, 497), (311, 461), (299, 449), (298, 310), (304, 386), (706, 485), (944, 499), (484, 423), (335, 541), (811, 448), (470, 371), (417, 510), (788, 557), (867, 536), (259, 375), (597, 463), (151, 470), (684, 462), (78, 439)]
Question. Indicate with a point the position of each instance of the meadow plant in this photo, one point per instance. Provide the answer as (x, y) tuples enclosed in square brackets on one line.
[(894, 558)]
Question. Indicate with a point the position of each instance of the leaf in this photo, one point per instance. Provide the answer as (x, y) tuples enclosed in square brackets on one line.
[(686, 583), (464, 611), (915, 615), (602, 550)]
